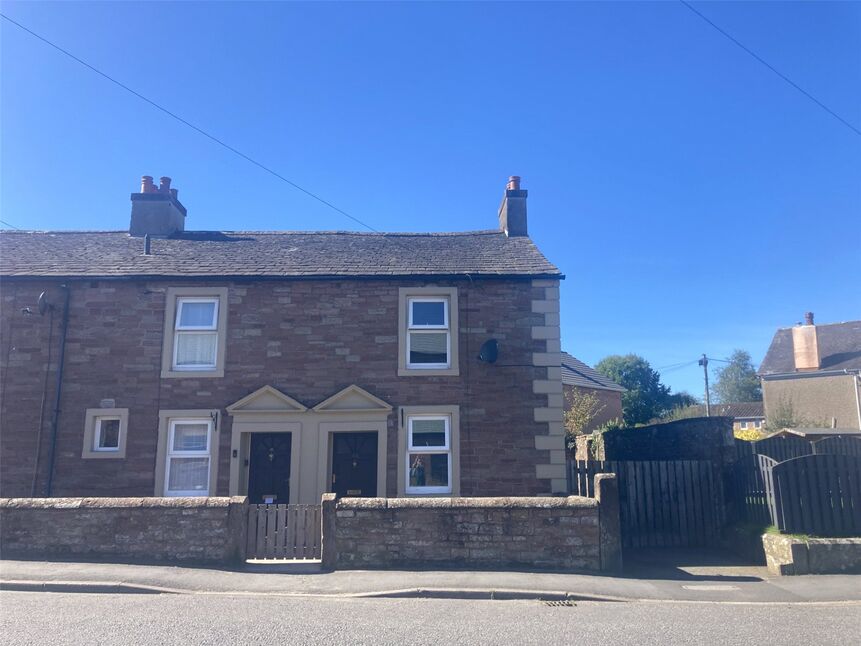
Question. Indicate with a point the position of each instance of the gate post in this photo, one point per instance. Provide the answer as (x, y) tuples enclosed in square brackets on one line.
[(609, 526), (328, 543)]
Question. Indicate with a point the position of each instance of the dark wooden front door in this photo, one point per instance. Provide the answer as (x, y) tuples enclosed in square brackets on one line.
[(354, 464), (269, 468)]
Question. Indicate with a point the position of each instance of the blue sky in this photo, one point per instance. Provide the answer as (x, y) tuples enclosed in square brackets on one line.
[(695, 201)]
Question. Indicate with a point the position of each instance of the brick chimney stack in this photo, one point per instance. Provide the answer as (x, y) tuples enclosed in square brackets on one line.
[(156, 210), (512, 211)]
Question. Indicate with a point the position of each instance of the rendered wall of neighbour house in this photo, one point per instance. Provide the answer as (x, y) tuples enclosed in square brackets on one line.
[(815, 399), (306, 338), (609, 401)]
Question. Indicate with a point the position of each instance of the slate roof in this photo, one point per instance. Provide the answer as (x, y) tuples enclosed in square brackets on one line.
[(577, 373), (271, 253), (737, 410), (839, 349)]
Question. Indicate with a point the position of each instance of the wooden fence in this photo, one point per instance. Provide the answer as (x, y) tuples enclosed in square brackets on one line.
[(662, 503), (818, 495), (777, 448), (283, 532), (749, 489), (837, 445)]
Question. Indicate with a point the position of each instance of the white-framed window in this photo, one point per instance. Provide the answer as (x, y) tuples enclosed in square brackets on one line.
[(195, 343), (757, 424), (188, 457), (106, 434), (428, 455), (743, 425), (428, 333)]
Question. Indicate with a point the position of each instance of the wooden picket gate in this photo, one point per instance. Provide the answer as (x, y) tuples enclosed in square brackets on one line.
[(662, 503), (283, 532)]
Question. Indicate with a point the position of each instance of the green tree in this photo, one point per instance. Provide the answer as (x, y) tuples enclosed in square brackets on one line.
[(646, 397), (737, 380), (581, 408)]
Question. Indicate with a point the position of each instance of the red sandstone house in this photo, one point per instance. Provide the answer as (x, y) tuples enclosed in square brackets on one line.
[(161, 361)]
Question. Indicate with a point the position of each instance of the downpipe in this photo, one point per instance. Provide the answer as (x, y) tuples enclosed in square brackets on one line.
[(55, 421)]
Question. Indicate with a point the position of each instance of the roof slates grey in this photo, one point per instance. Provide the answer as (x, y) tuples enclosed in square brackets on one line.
[(251, 253), (577, 373), (839, 349)]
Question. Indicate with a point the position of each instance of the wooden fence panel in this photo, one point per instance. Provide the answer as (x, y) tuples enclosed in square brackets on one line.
[(662, 503), (284, 532), (818, 495), (838, 445)]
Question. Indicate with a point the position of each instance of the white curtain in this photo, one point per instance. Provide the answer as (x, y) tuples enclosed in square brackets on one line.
[(188, 474), (196, 348)]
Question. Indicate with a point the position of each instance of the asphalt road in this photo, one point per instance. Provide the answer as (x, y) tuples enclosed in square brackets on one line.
[(59, 618)]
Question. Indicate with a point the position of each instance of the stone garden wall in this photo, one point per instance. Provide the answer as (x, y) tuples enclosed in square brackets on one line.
[(555, 533), (201, 530)]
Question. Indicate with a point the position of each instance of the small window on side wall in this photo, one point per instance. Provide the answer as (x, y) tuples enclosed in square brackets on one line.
[(105, 432)]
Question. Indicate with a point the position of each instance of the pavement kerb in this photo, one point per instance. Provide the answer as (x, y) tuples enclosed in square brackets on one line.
[(121, 587)]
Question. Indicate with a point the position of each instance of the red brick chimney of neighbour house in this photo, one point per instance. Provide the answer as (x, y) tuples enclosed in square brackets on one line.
[(156, 210), (805, 346), (512, 211)]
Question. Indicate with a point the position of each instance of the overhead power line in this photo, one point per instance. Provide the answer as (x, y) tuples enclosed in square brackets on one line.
[(11, 226), (190, 125), (773, 69)]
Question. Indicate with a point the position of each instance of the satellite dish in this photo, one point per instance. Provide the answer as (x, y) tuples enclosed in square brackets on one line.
[(489, 351), (43, 304)]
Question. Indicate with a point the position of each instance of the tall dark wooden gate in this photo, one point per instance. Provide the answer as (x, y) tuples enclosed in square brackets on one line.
[(663, 503)]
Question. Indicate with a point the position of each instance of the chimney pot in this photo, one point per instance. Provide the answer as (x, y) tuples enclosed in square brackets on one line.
[(513, 183), (164, 185), (147, 185), (808, 318)]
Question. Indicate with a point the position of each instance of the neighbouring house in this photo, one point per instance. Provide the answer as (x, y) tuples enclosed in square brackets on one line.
[(812, 374), (746, 416), (160, 361), (579, 377)]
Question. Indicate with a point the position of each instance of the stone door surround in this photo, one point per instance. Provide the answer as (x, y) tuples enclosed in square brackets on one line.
[(268, 410)]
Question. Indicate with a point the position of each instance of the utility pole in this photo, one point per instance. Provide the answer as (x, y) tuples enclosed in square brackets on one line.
[(704, 362)]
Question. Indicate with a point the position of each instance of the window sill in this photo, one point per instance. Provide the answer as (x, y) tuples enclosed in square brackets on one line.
[(192, 374), (102, 455), (428, 372)]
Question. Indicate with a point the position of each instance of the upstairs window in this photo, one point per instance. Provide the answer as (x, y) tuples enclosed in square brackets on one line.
[(195, 338), (427, 331), (428, 336), (195, 344)]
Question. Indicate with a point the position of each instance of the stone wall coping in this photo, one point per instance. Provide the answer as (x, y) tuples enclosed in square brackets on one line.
[(114, 503), (795, 540), (571, 502)]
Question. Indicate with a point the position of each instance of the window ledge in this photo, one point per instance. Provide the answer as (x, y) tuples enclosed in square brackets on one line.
[(191, 374), (428, 372)]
